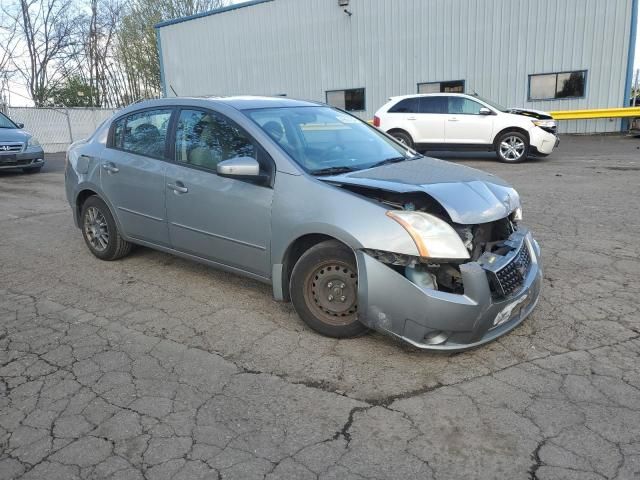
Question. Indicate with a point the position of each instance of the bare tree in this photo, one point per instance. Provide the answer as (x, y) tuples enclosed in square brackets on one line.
[(46, 29)]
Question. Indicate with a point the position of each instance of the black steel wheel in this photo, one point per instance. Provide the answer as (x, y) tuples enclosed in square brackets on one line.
[(324, 290)]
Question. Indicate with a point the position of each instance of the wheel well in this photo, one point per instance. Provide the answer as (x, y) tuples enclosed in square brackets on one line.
[(510, 129), (81, 198), (293, 254), (398, 130)]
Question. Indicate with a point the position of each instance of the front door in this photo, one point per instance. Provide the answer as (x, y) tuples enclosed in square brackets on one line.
[(132, 171), (225, 220), (465, 125)]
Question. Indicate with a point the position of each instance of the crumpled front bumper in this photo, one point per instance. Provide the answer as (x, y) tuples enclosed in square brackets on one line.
[(391, 304)]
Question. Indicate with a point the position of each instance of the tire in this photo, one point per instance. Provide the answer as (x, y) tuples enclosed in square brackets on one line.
[(32, 170), (403, 137), (512, 147), (100, 232), (324, 290)]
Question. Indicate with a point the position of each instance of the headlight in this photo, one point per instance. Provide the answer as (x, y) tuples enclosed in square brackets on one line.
[(33, 142), (516, 216), (544, 123), (433, 237)]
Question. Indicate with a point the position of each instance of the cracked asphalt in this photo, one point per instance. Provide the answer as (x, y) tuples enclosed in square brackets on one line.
[(153, 367)]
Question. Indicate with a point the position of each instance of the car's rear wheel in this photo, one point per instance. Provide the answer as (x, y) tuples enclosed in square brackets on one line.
[(512, 147), (403, 137), (324, 290), (100, 231)]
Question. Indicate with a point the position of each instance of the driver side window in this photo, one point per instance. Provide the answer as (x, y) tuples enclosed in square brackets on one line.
[(205, 138), (463, 106)]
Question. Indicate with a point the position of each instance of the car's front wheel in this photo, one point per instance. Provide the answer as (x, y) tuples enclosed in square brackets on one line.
[(100, 231), (324, 290), (512, 147)]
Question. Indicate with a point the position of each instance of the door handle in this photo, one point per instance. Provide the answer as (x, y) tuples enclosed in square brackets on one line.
[(454, 120), (110, 167), (411, 118), (178, 188)]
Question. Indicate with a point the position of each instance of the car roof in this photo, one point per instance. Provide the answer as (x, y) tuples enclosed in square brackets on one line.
[(416, 95), (244, 102)]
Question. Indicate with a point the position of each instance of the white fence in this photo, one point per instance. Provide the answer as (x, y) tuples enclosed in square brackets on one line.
[(56, 128)]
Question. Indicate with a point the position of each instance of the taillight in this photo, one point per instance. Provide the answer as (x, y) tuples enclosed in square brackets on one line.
[(376, 121)]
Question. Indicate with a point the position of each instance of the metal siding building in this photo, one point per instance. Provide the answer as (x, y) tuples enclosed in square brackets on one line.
[(305, 48)]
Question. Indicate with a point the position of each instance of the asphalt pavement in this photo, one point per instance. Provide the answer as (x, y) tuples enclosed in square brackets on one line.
[(155, 367)]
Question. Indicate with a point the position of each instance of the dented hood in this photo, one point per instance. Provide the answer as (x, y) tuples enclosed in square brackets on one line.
[(468, 195)]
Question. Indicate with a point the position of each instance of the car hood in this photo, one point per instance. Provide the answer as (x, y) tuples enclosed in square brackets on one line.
[(468, 195), (13, 135), (528, 112)]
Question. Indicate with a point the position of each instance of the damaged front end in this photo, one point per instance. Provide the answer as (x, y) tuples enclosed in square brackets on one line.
[(453, 304)]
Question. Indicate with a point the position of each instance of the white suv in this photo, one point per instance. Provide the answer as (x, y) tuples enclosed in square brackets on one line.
[(454, 121)]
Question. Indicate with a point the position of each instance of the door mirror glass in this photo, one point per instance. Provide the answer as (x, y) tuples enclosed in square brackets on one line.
[(239, 167), (485, 111)]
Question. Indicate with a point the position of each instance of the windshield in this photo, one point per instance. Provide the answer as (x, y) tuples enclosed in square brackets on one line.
[(493, 104), (323, 140), (6, 123)]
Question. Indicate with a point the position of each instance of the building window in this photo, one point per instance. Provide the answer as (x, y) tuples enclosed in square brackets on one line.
[(550, 86), (454, 86), (351, 100)]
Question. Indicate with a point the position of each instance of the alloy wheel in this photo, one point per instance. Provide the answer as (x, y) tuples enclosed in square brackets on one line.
[(512, 148), (96, 229)]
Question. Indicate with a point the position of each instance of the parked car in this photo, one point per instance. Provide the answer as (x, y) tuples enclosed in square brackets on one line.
[(18, 148), (357, 230), (455, 121)]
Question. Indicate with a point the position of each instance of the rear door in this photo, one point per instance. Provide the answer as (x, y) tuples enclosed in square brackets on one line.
[(464, 123), (226, 220), (421, 117), (430, 119), (132, 171)]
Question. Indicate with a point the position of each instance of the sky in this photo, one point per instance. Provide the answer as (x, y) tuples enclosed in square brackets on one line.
[(20, 95)]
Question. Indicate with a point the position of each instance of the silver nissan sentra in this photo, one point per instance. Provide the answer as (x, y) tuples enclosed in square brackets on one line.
[(355, 229)]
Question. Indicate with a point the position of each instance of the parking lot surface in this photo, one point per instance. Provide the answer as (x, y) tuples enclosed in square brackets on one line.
[(155, 367)]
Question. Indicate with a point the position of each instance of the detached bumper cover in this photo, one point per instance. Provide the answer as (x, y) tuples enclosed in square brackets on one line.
[(391, 304), (30, 158), (542, 141)]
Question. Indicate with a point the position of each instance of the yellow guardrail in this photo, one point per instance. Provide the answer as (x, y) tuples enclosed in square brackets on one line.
[(622, 112)]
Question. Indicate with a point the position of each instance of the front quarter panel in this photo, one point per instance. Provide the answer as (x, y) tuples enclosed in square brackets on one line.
[(303, 205)]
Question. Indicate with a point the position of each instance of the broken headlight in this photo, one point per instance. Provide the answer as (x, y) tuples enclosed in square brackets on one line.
[(516, 215), (434, 238)]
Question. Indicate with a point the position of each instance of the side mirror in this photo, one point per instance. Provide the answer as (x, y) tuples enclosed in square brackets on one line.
[(239, 167), (485, 111), (20, 125)]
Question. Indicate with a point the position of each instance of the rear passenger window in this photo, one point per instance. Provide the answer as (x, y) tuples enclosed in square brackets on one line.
[(204, 139), (143, 133), (408, 105), (433, 104)]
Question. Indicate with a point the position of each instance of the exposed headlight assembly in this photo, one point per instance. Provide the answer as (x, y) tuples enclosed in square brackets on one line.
[(434, 238), (544, 123), (516, 215), (33, 142)]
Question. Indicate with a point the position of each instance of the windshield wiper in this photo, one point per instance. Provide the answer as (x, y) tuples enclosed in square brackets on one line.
[(395, 160), (333, 170)]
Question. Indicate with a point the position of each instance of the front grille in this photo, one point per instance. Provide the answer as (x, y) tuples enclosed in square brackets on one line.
[(10, 147), (13, 162), (511, 277)]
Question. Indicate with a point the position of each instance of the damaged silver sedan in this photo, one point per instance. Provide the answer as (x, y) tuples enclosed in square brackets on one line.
[(355, 229)]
